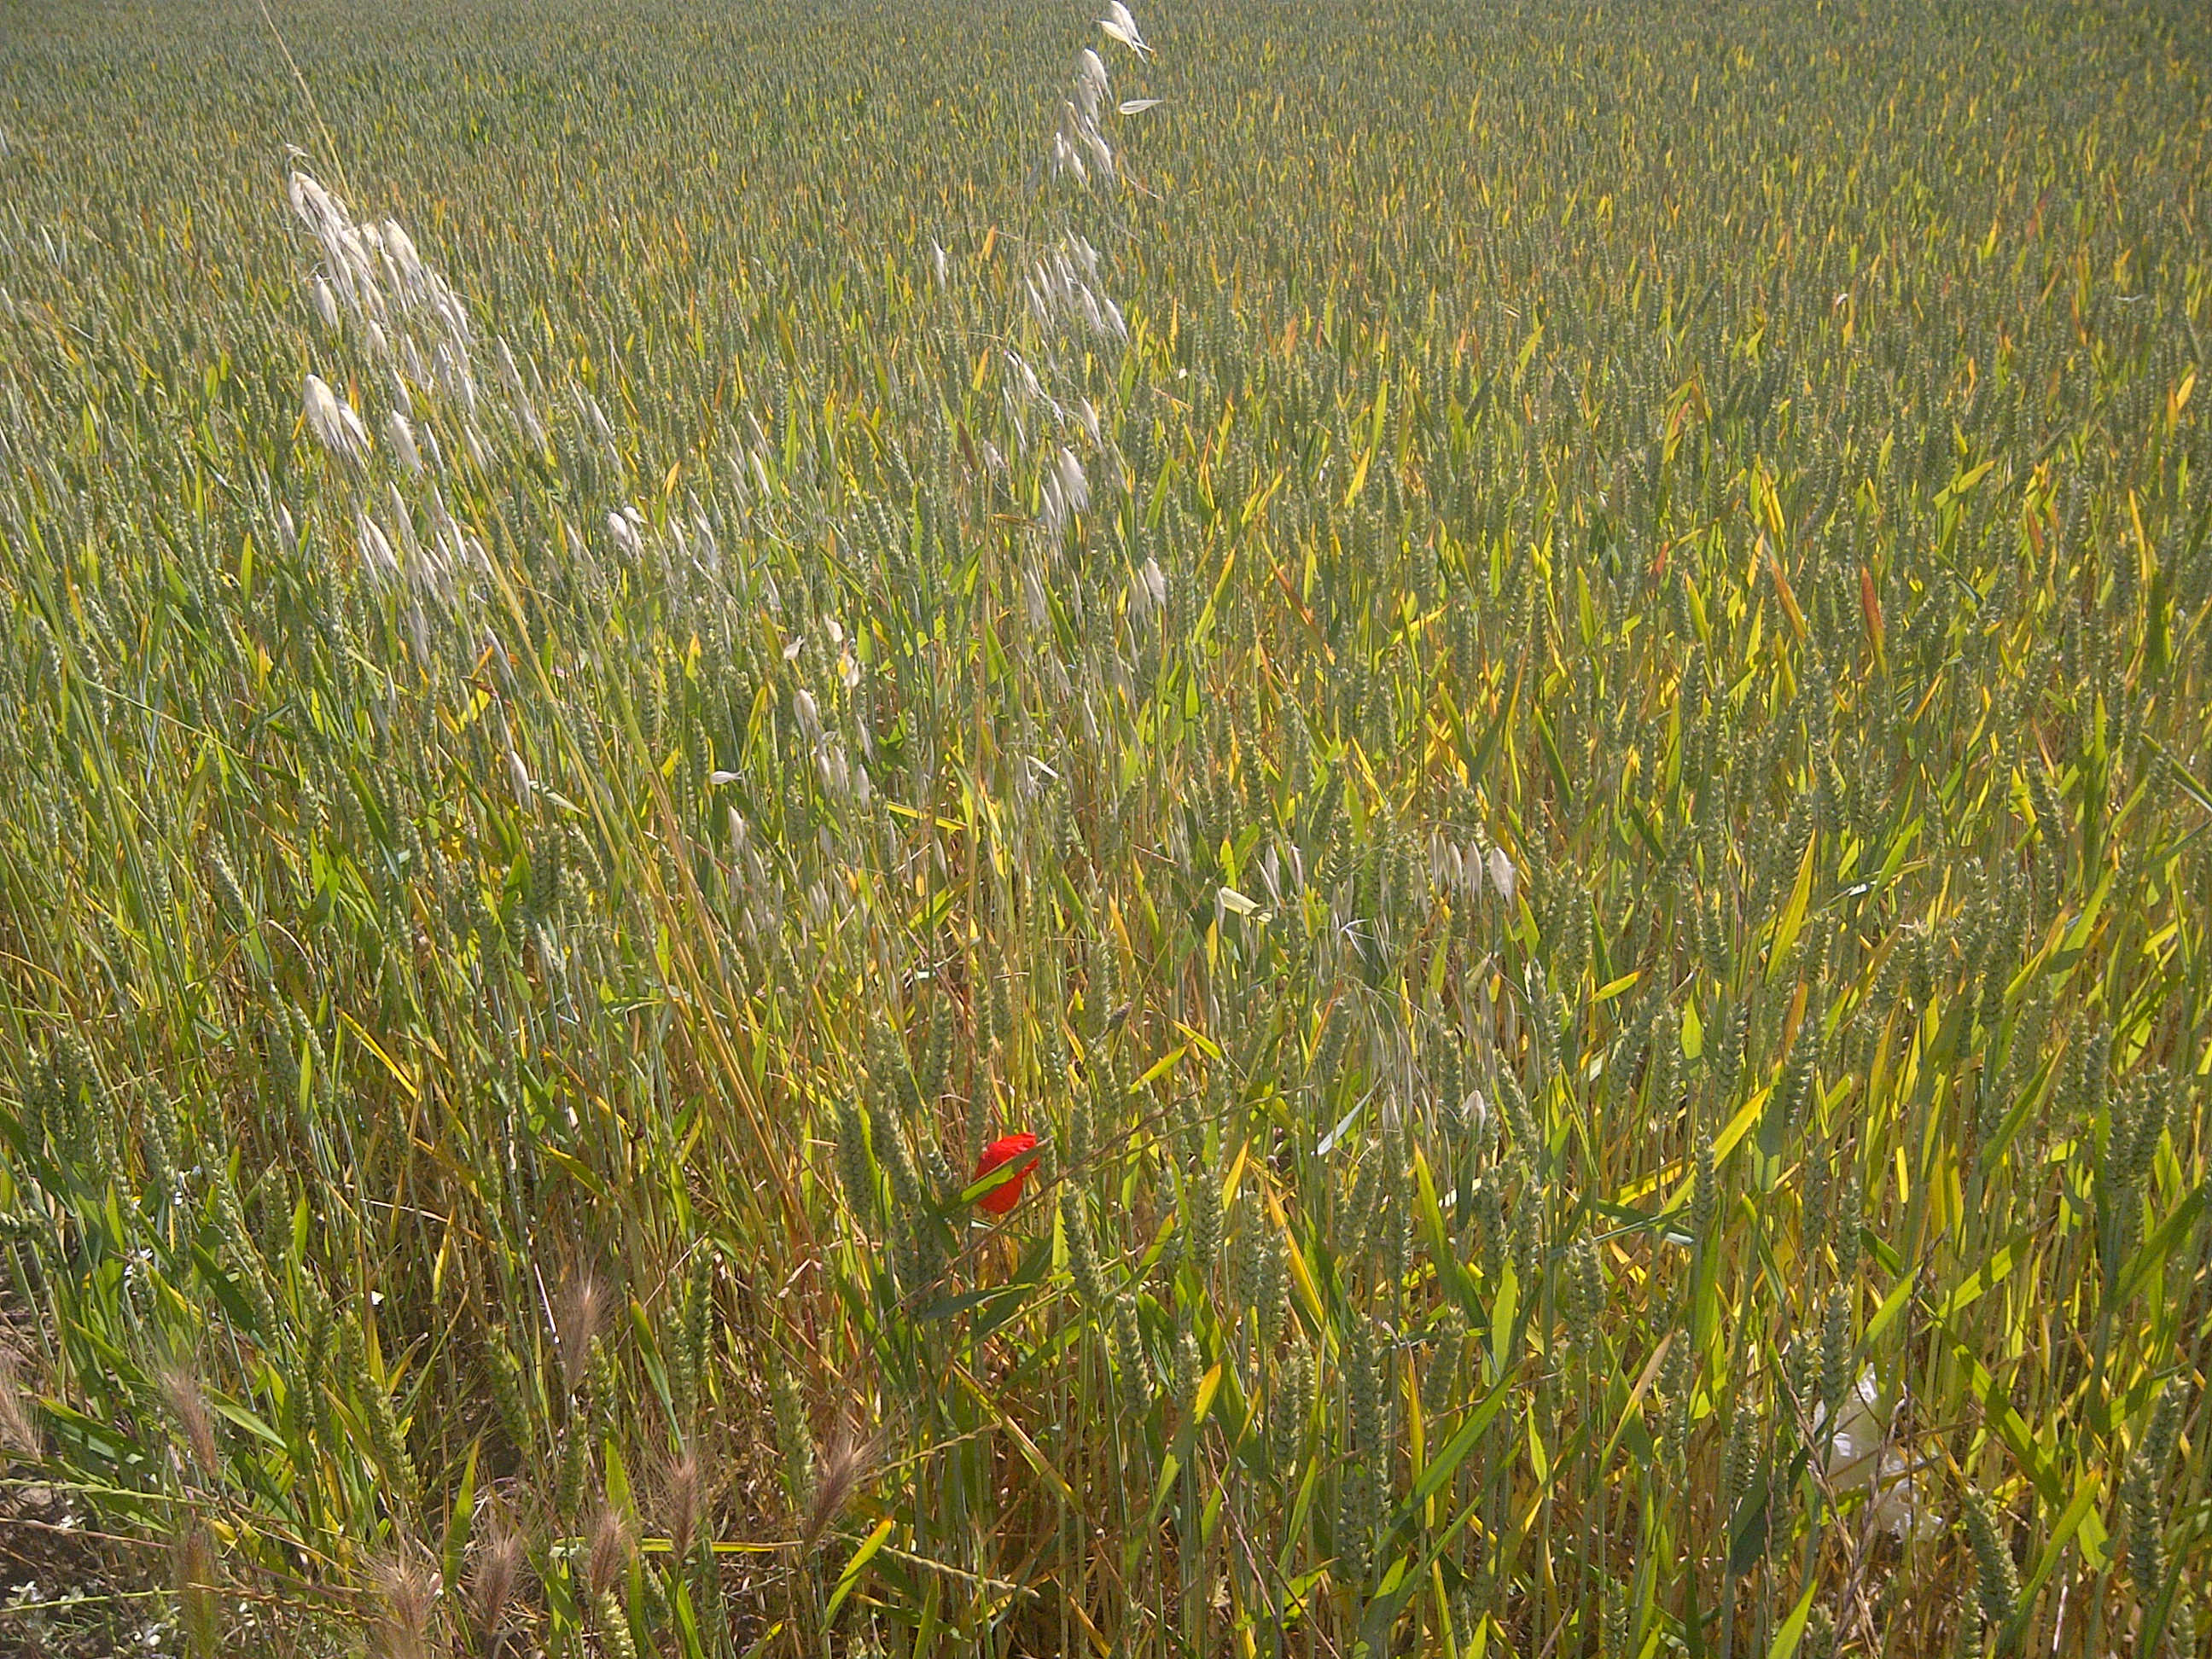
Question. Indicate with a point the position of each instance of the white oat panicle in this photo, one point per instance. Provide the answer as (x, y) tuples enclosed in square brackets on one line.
[(334, 423), (1502, 874), (1118, 24), (402, 433)]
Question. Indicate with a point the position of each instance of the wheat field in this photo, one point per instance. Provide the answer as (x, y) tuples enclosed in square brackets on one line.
[(1276, 828)]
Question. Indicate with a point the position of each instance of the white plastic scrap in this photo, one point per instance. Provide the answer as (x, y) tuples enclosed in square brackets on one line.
[(1862, 1453)]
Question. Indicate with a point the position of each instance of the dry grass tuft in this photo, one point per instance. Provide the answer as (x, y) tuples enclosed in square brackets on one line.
[(581, 1310), (840, 1471), (682, 1490), (498, 1565), (404, 1621), (612, 1541), (19, 1434), (196, 1576), (188, 1406)]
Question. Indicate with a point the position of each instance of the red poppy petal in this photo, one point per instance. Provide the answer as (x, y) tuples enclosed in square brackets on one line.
[(1005, 1150)]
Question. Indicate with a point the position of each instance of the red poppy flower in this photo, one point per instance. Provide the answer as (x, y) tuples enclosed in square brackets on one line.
[(1005, 1150)]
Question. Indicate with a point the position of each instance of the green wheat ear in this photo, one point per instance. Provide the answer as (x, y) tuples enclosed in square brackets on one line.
[(1998, 1578)]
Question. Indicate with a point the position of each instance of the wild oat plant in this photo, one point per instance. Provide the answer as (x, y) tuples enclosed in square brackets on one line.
[(1275, 830)]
